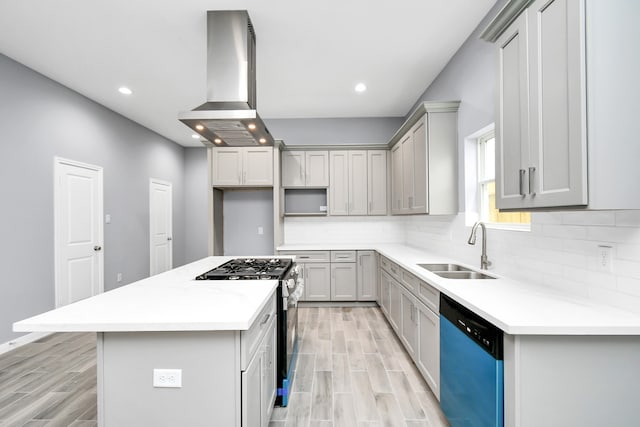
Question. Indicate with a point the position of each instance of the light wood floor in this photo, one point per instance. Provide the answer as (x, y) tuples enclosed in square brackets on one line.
[(352, 371)]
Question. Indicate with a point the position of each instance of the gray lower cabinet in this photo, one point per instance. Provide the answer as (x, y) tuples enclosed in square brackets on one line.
[(409, 330), (259, 382), (367, 277), (344, 275), (428, 357), (395, 305), (317, 281), (412, 308), (343, 281)]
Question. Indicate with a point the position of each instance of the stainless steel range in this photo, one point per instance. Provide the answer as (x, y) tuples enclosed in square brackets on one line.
[(288, 293)]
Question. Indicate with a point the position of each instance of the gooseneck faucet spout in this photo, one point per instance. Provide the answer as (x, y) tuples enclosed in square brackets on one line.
[(484, 261)]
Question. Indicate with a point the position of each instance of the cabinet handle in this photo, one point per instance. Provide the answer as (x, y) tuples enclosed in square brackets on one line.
[(346, 207), (244, 178), (370, 209), (532, 169), (522, 172), (410, 202), (266, 318)]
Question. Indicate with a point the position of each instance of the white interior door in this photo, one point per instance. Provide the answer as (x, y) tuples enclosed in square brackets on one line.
[(79, 260), (160, 219)]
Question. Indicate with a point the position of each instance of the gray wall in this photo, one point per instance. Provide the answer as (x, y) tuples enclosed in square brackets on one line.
[(243, 212), (196, 208), (334, 131), (40, 119), (469, 77)]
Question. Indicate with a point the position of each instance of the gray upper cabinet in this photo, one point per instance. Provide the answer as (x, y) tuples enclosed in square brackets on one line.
[(424, 161), (377, 182), (541, 140), (305, 169), (563, 131), (242, 166), (358, 182)]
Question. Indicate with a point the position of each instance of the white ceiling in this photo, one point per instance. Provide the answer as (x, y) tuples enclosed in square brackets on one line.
[(310, 54)]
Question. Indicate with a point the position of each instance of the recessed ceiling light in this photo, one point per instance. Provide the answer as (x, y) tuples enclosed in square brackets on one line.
[(217, 141), (125, 90), (199, 127), (262, 140), (251, 126), (195, 136), (360, 87)]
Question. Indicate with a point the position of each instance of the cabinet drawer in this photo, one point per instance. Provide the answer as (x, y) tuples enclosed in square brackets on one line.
[(343, 256), (429, 295), (410, 281), (309, 256), (391, 267), (250, 339)]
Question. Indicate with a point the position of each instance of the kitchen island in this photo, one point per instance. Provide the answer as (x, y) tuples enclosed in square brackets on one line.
[(215, 338)]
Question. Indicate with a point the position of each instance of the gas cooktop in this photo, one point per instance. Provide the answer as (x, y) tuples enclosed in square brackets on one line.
[(249, 269)]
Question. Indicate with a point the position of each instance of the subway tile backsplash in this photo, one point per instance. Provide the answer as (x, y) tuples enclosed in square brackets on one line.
[(560, 251)]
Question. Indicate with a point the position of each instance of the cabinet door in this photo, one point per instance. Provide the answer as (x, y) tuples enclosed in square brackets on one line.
[(257, 166), (317, 281), (343, 281), (367, 269), (339, 183), (395, 305), (409, 328), (227, 166), (385, 281), (358, 195), (269, 371), (252, 392), (420, 167), (293, 168), (408, 178), (428, 359), (317, 168), (557, 171), (512, 127), (396, 179), (377, 182)]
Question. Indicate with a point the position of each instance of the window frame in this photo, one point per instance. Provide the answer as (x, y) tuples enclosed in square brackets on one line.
[(482, 197)]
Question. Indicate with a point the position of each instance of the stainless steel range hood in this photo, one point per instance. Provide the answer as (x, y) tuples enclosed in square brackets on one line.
[(229, 117)]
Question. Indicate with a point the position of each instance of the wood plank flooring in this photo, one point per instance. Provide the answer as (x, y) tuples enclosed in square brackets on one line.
[(352, 371)]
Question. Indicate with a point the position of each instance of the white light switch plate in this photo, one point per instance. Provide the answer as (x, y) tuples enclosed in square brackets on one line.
[(167, 378)]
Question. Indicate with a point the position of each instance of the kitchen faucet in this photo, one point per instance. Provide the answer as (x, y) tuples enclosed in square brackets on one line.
[(484, 261)]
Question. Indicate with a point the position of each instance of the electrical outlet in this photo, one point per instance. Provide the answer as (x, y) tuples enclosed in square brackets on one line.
[(260, 231), (605, 258), (171, 378), (119, 277)]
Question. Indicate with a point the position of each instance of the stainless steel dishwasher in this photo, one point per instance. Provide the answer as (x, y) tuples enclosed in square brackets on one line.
[(471, 368)]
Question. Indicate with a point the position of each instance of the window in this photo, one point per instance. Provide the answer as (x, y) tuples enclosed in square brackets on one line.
[(487, 211)]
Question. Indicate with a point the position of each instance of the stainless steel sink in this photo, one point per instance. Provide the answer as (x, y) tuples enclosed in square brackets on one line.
[(454, 271), (463, 275), (443, 267)]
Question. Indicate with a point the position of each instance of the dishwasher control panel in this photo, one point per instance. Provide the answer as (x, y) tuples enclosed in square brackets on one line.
[(484, 333)]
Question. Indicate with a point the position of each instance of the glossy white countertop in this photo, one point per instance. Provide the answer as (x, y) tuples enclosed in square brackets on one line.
[(170, 301), (516, 307)]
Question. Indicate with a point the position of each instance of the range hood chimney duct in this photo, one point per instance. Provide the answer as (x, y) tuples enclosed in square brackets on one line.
[(229, 117)]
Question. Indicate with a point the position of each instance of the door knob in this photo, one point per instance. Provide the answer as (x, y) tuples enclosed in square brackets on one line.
[(97, 248), (169, 238)]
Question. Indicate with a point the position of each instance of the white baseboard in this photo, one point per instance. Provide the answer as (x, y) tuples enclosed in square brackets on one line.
[(20, 341)]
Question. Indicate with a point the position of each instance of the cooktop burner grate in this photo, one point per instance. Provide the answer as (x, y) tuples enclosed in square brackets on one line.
[(249, 269)]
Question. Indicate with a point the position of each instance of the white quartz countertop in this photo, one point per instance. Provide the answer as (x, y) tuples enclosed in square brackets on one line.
[(170, 301), (516, 307)]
